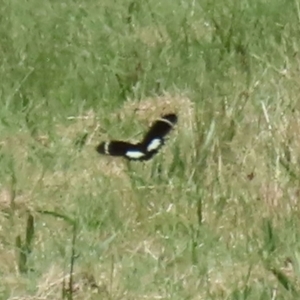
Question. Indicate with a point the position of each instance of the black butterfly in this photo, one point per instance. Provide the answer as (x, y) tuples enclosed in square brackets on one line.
[(149, 146)]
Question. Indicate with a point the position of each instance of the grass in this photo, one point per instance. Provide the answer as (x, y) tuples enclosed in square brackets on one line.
[(215, 215)]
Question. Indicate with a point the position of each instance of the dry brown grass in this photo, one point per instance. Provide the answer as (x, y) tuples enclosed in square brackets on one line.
[(250, 187)]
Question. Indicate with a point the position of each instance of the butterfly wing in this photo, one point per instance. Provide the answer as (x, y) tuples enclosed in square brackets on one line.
[(155, 137), (120, 148)]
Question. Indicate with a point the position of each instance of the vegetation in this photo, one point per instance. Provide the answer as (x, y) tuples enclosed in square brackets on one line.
[(215, 215)]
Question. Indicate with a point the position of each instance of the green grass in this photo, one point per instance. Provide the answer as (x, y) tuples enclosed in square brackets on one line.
[(215, 215)]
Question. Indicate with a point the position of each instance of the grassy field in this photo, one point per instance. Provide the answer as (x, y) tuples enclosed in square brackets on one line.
[(215, 215)]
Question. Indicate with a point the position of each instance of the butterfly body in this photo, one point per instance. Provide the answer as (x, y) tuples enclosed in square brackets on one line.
[(147, 148)]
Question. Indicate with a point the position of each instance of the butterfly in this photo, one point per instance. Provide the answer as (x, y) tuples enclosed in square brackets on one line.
[(148, 147)]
